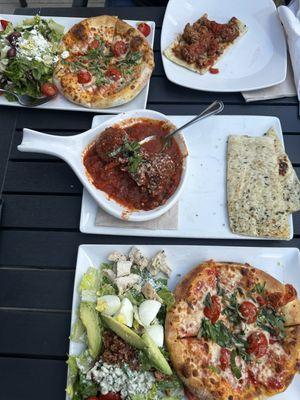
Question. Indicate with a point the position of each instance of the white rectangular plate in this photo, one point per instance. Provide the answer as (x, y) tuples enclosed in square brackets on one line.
[(203, 204), (282, 263), (255, 61), (60, 102)]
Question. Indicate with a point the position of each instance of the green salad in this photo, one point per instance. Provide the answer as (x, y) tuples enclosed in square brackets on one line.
[(28, 54), (120, 324)]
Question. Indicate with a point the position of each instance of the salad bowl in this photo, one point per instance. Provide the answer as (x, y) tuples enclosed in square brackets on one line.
[(71, 149)]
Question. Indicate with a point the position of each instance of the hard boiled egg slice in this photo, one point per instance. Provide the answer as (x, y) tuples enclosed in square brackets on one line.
[(108, 304), (125, 313), (148, 311), (156, 332)]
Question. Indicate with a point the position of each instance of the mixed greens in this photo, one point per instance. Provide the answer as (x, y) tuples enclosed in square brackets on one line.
[(120, 323), (28, 54)]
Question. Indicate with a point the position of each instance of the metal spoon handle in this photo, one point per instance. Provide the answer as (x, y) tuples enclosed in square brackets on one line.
[(214, 108), (9, 92)]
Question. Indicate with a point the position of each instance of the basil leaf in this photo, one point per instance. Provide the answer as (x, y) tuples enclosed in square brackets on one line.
[(234, 368), (259, 288), (207, 300), (271, 322), (218, 333)]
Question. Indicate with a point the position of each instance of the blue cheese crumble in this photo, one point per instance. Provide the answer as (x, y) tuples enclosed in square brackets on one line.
[(112, 378)]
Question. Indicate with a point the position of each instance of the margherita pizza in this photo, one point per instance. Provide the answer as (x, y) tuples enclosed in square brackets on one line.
[(233, 333), (103, 62), (202, 44)]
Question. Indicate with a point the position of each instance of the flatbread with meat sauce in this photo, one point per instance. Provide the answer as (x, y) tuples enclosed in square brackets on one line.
[(233, 332), (202, 44), (103, 62)]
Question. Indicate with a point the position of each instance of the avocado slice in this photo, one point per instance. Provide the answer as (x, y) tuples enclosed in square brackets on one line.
[(155, 355), (124, 332), (92, 323)]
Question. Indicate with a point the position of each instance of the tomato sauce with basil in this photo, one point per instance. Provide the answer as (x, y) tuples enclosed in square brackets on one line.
[(138, 177)]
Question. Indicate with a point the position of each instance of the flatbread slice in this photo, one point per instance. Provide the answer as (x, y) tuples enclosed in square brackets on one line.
[(287, 175), (169, 51), (254, 193)]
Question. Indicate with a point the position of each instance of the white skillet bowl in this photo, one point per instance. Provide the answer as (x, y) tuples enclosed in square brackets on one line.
[(71, 149)]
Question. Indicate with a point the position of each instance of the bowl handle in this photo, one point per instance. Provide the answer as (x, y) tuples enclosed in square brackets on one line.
[(38, 142)]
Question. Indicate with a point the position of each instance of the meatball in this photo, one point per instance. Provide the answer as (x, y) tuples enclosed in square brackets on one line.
[(108, 142)]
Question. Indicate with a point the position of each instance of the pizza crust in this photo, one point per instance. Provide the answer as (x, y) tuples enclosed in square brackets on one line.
[(168, 52), (107, 27)]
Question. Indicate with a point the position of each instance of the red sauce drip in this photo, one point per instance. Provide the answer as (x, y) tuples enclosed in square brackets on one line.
[(214, 71), (109, 174)]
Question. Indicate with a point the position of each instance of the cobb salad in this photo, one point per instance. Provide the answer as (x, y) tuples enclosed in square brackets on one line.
[(120, 323), (28, 54)]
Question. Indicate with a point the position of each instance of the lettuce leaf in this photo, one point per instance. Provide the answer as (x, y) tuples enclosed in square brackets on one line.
[(89, 285), (78, 333)]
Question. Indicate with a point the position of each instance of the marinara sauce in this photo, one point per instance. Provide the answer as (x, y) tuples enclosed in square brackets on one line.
[(138, 177)]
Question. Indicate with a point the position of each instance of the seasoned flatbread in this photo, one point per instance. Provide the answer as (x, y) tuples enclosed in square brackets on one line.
[(216, 349), (209, 60), (103, 62), (255, 200), (287, 175)]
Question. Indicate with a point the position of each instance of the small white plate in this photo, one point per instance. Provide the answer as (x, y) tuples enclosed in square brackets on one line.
[(202, 206), (60, 102), (257, 60), (282, 263)]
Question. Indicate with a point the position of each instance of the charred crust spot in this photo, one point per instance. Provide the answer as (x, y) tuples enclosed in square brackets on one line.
[(79, 32), (195, 373), (283, 166), (206, 348), (185, 370), (244, 271)]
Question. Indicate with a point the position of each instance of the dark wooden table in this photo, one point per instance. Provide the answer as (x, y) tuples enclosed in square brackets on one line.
[(39, 234)]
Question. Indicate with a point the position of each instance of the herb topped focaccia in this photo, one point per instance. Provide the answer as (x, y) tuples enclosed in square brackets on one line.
[(104, 62), (203, 43), (233, 332)]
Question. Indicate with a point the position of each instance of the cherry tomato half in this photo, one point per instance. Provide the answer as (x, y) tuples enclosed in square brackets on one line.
[(48, 89), (213, 71), (84, 77), (224, 358), (94, 44), (113, 73), (120, 48), (290, 293), (252, 377), (144, 29), (4, 23), (213, 312), (257, 344), (249, 311), (110, 396)]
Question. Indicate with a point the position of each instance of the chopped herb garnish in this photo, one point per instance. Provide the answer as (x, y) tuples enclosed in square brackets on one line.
[(131, 151), (231, 309), (220, 290), (214, 369), (259, 288), (207, 300), (271, 322), (234, 368), (218, 333)]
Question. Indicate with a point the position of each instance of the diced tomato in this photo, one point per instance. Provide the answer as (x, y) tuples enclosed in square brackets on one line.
[(275, 384), (290, 293), (213, 312), (49, 89), (224, 358), (249, 311), (120, 48), (144, 29), (257, 344), (113, 73), (213, 71), (252, 377), (110, 396), (94, 44), (189, 395), (261, 301), (84, 77), (4, 23)]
